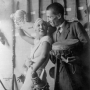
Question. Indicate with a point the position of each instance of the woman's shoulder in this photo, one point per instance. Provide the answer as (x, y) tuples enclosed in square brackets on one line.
[(36, 41), (47, 38)]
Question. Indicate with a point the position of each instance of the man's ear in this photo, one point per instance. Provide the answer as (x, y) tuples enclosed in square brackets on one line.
[(59, 16)]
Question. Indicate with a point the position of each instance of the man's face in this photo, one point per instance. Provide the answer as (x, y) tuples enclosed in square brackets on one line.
[(52, 19)]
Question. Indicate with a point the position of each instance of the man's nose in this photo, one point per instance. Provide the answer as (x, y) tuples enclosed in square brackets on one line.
[(47, 19)]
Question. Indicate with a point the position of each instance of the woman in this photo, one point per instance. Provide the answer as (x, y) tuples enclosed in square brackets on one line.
[(35, 76), (39, 55)]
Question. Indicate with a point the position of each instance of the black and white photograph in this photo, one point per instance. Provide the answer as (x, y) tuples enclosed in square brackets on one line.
[(44, 44)]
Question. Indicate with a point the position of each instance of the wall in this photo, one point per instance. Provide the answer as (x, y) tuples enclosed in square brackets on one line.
[(6, 50), (20, 4), (5, 8)]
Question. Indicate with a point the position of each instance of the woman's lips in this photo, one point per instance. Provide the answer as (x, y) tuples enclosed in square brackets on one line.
[(41, 30)]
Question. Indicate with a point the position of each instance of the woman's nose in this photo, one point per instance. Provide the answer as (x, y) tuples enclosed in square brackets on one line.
[(40, 26)]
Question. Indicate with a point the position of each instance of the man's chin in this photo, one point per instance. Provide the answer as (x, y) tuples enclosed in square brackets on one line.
[(52, 25), (42, 34)]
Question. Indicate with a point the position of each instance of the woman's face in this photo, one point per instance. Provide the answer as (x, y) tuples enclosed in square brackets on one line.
[(41, 28)]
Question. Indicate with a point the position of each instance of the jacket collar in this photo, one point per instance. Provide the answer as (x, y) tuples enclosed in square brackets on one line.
[(64, 34), (65, 30)]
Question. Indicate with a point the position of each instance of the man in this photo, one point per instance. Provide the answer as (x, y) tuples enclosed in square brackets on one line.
[(71, 75)]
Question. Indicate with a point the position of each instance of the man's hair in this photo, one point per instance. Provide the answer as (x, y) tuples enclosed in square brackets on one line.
[(56, 8)]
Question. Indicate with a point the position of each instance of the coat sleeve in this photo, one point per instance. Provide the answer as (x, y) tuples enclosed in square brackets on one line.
[(81, 33)]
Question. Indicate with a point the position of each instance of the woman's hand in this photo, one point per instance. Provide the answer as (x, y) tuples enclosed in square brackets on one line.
[(28, 63)]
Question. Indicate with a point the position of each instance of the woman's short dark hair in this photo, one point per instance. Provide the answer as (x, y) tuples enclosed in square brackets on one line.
[(56, 8)]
